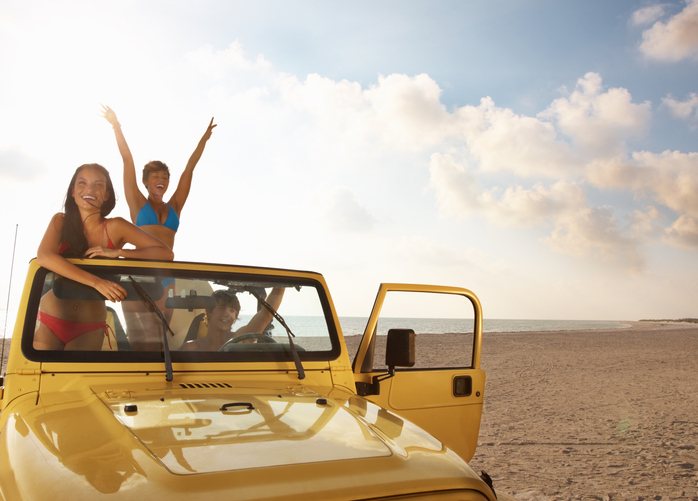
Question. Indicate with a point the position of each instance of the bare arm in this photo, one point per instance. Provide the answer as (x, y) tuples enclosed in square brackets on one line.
[(263, 316), (182, 192), (134, 198), (48, 257), (122, 232)]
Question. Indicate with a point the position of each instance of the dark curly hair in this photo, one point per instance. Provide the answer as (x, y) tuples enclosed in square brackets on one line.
[(73, 231), (229, 299)]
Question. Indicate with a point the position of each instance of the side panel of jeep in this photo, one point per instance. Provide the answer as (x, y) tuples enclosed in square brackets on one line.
[(445, 401)]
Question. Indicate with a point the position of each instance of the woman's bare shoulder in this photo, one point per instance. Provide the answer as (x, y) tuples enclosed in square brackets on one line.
[(58, 219), (117, 221)]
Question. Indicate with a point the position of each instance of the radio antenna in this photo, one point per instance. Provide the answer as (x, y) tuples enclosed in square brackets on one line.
[(7, 309)]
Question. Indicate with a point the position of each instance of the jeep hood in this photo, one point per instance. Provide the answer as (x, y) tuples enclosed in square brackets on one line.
[(204, 431), (212, 441)]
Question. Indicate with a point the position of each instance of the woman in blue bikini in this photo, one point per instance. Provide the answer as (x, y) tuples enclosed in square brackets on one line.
[(84, 230), (155, 216)]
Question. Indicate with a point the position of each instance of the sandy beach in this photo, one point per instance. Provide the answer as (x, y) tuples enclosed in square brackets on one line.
[(593, 414), (600, 414)]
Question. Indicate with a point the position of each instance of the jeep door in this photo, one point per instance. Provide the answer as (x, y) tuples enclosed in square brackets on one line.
[(442, 392)]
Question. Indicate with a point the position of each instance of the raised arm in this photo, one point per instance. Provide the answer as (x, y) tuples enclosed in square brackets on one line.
[(134, 198), (182, 192), (260, 320), (48, 257), (122, 232)]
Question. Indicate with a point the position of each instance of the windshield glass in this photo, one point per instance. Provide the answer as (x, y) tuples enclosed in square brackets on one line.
[(205, 315)]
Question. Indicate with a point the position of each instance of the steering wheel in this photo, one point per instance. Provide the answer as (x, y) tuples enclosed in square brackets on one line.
[(261, 338)]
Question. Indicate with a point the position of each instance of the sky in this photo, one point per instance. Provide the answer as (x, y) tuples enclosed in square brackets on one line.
[(542, 154)]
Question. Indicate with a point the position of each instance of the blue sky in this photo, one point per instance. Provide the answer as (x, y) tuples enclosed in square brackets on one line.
[(542, 154)]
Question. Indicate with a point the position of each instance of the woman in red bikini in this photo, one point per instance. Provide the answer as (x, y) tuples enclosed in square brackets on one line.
[(83, 231)]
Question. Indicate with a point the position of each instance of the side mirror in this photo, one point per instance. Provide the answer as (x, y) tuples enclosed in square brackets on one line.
[(400, 348), (399, 352)]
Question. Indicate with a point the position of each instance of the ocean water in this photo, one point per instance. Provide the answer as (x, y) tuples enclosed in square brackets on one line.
[(356, 325), (352, 326)]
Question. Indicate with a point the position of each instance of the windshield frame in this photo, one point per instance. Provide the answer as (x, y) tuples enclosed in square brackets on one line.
[(268, 277)]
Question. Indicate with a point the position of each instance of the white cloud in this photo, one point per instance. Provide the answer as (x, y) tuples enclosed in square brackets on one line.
[(685, 110), (647, 224), (218, 64), (408, 110), (342, 211), (457, 190), (400, 112), (577, 229), (647, 15), (501, 140), (670, 178), (594, 232), (683, 233), (599, 122), (675, 39), (533, 207)]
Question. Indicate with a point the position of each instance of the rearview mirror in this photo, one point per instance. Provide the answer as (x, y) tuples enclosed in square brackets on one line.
[(64, 288)]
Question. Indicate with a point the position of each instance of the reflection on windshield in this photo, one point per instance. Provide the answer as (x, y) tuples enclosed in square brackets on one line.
[(204, 314)]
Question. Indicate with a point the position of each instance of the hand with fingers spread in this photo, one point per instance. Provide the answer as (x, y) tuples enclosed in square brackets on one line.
[(110, 116)]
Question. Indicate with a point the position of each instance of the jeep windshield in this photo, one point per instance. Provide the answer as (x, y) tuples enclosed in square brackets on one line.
[(205, 316)]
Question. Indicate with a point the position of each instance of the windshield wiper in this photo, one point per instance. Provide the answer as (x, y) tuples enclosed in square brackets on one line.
[(165, 326), (294, 352)]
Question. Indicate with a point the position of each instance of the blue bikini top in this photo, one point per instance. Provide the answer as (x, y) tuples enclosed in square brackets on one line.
[(147, 216)]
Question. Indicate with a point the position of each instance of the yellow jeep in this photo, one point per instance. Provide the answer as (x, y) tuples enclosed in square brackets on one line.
[(156, 410)]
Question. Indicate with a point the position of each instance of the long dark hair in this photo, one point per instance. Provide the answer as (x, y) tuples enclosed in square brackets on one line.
[(73, 231)]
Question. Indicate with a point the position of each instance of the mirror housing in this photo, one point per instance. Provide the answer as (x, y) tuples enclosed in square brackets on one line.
[(400, 348), (399, 352)]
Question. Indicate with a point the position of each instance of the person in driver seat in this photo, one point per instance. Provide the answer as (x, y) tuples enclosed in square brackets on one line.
[(220, 319)]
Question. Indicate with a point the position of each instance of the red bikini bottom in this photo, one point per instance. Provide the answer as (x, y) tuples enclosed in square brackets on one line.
[(66, 331)]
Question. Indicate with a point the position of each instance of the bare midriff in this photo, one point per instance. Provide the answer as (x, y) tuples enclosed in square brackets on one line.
[(164, 234), (73, 310)]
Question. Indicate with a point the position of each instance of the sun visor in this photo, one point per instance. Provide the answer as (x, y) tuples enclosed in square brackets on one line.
[(64, 288)]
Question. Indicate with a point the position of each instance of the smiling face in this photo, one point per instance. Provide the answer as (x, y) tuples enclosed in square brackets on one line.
[(221, 318), (90, 189), (156, 178), (157, 183)]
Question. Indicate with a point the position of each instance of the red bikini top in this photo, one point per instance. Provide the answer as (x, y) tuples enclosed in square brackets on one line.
[(110, 245)]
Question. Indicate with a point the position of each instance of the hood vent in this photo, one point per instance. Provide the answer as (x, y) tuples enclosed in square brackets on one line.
[(198, 386)]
